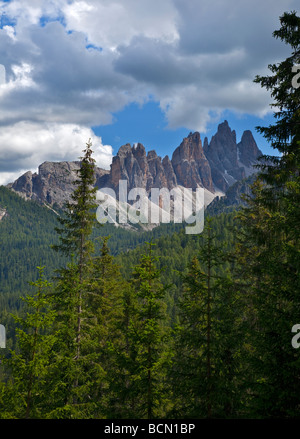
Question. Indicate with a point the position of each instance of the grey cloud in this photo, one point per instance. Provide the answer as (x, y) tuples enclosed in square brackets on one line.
[(161, 64), (12, 52), (72, 84), (219, 45), (66, 64), (151, 61), (195, 57), (222, 46), (220, 26)]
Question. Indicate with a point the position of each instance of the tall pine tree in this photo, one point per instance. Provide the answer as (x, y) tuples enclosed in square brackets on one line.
[(28, 391), (105, 331), (270, 245), (71, 292), (143, 358), (208, 338)]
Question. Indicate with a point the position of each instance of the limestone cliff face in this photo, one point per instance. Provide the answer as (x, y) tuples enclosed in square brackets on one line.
[(129, 164), (23, 185), (140, 170), (228, 160), (248, 151), (53, 184), (217, 164), (169, 173), (190, 165), (157, 175)]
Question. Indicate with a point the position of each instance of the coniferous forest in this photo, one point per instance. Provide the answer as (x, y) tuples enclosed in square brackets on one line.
[(117, 324)]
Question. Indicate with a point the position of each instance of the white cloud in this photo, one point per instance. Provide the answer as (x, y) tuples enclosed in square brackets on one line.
[(26, 145), (2, 76), (29, 13), (109, 23), (10, 177), (10, 32), (147, 48)]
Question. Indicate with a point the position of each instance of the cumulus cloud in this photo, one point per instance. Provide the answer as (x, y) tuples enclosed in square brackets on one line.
[(222, 46), (25, 145), (71, 64), (109, 23), (68, 83)]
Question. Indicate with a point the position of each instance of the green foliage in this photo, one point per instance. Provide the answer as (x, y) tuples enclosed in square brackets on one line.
[(27, 391), (74, 360), (269, 255), (284, 135), (148, 335), (269, 249), (143, 357), (104, 326), (208, 337), (174, 252), (78, 218), (26, 234)]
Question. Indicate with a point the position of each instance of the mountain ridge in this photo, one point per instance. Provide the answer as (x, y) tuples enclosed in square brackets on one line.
[(214, 166)]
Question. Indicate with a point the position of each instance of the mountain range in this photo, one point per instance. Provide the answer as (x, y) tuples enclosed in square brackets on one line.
[(28, 227), (214, 166)]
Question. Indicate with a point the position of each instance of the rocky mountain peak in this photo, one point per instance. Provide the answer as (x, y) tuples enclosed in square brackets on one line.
[(190, 164), (139, 150), (52, 184), (169, 173), (189, 149), (230, 162), (124, 150), (152, 155), (248, 151), (222, 148)]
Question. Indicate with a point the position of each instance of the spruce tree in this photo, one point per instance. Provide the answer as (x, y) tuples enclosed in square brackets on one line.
[(28, 391), (105, 331), (144, 357), (71, 292), (284, 134), (207, 339), (270, 245)]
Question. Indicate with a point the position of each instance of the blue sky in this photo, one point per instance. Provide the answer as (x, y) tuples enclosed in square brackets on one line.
[(147, 124), (130, 71)]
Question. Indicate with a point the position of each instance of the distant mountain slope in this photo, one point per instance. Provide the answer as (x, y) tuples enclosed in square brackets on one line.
[(27, 232), (233, 198), (52, 185)]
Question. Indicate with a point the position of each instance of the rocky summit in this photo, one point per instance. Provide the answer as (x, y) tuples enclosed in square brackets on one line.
[(52, 184), (215, 166)]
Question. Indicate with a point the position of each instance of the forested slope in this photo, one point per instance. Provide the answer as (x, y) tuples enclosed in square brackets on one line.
[(27, 232)]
